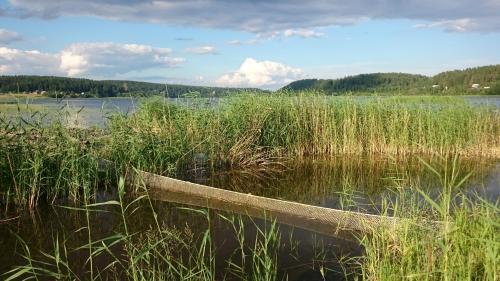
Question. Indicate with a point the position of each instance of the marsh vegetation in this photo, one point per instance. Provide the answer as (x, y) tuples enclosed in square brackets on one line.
[(262, 145)]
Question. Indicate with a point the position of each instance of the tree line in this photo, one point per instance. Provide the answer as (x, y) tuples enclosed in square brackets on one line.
[(485, 79), (62, 86)]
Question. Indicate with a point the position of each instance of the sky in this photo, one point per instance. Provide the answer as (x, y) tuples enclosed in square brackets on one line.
[(235, 43)]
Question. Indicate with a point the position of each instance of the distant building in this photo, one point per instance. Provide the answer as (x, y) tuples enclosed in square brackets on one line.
[(475, 86)]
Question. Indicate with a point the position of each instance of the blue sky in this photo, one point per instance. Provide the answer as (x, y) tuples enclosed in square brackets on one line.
[(235, 43)]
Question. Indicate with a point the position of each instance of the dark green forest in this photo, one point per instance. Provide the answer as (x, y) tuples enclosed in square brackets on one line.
[(449, 82), (486, 78), (62, 86)]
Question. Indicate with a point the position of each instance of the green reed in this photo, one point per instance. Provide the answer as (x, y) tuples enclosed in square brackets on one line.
[(48, 159), (262, 131), (158, 253), (463, 246), (47, 162)]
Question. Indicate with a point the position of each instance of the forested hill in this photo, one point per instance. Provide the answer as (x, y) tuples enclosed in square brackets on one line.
[(52, 86), (361, 83), (486, 78)]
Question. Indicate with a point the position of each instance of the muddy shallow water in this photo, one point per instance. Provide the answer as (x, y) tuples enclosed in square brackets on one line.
[(349, 183)]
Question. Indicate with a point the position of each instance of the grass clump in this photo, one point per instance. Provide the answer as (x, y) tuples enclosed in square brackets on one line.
[(46, 162), (464, 245)]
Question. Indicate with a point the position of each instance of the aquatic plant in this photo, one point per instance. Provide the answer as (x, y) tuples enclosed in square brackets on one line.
[(51, 160), (158, 253), (47, 162), (463, 246), (262, 131)]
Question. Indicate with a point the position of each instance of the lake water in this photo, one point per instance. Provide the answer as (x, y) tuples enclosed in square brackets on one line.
[(349, 183)]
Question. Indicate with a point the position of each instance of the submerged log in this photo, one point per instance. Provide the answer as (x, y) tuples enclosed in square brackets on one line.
[(327, 221), (314, 218)]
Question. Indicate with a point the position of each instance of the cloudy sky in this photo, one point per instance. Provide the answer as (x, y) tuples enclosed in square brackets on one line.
[(240, 43)]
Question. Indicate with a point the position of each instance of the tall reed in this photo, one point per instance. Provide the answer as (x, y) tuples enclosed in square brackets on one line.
[(51, 160), (46, 161), (262, 131), (463, 246)]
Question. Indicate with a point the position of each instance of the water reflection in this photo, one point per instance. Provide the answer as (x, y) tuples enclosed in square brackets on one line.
[(300, 253), (352, 183), (356, 182)]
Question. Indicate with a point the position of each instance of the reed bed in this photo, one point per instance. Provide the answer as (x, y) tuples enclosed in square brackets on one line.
[(43, 162), (51, 160), (46, 162), (263, 131), (467, 250)]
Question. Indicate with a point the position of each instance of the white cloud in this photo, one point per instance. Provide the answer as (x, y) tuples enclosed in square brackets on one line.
[(458, 25), (266, 74), (8, 36), (14, 61), (87, 59), (233, 42), (302, 32), (264, 16), (271, 35), (73, 64), (202, 50), (107, 59)]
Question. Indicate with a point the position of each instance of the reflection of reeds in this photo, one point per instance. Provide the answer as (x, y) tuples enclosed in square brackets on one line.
[(355, 183)]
